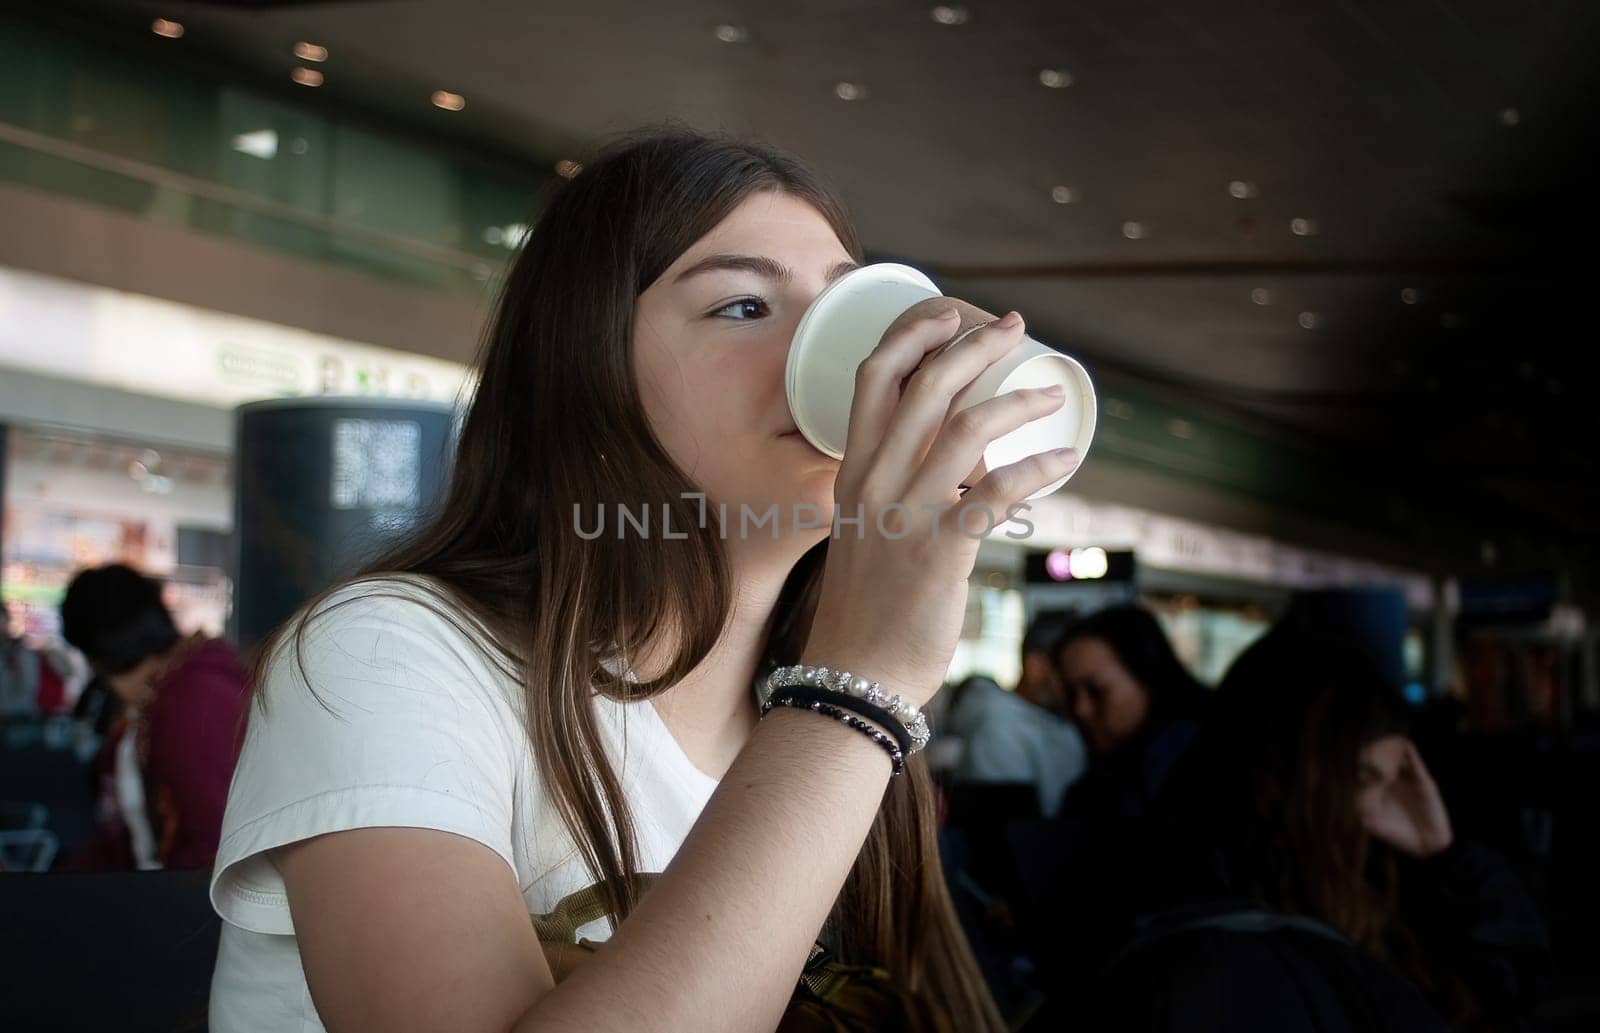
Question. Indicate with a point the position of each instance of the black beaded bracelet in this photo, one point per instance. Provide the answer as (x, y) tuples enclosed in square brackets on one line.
[(897, 758), (808, 694)]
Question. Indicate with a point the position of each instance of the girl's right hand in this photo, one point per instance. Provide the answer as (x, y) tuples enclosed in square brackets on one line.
[(894, 588)]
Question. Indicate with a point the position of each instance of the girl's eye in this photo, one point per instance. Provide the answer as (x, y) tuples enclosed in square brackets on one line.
[(744, 308)]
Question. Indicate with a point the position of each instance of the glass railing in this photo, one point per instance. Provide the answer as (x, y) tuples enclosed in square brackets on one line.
[(83, 120)]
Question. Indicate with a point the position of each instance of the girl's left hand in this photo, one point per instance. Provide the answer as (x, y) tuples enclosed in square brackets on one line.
[(1405, 809)]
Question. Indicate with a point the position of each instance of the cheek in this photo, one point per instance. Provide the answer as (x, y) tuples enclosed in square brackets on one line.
[(1127, 708), (700, 404)]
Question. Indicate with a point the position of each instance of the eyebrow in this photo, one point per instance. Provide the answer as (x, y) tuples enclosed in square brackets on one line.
[(760, 265)]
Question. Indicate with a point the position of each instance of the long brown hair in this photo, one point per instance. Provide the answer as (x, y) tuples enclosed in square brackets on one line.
[(557, 427)]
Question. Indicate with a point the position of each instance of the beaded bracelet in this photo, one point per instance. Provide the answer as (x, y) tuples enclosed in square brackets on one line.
[(844, 682), (897, 759), (808, 694)]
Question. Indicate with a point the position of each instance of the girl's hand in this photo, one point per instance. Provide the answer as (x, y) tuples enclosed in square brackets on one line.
[(895, 586)]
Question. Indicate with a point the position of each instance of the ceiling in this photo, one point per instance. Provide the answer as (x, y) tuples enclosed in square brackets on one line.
[(1424, 320)]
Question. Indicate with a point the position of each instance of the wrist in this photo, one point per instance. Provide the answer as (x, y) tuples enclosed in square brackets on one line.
[(884, 675), (828, 746), (828, 688)]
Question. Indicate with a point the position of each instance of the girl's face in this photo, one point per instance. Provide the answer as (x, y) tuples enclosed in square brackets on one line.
[(1378, 768), (710, 342), (1107, 702)]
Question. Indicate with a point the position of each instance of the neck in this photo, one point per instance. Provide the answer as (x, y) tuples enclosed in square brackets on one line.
[(175, 655), (712, 710)]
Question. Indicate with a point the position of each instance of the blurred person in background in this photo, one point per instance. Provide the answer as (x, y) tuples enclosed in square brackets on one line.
[(1303, 872), (173, 727), (1021, 736), (37, 679), (1007, 740), (1136, 704), (1138, 709)]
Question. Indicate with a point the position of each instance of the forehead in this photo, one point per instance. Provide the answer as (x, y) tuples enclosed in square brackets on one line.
[(1087, 651), (768, 223), (1386, 752)]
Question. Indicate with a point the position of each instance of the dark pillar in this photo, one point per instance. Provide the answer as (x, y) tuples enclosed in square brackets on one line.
[(321, 486)]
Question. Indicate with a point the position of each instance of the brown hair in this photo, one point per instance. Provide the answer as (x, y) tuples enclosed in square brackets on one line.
[(557, 423)]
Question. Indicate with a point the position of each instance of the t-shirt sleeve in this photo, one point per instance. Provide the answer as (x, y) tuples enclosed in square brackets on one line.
[(383, 714)]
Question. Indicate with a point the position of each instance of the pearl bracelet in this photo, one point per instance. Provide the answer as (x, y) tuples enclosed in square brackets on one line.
[(916, 723)]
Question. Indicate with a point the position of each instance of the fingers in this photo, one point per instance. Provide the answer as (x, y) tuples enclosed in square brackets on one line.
[(1003, 488), (960, 444), (878, 379), (925, 402)]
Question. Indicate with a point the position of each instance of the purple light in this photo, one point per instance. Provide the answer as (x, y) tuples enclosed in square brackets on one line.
[(1059, 565)]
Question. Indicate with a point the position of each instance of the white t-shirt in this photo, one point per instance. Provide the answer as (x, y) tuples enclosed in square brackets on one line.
[(427, 733)]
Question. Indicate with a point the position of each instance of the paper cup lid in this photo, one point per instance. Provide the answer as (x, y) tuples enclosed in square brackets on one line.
[(839, 329)]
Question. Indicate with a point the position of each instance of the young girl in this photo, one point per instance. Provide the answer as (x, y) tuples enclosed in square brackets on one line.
[(511, 715)]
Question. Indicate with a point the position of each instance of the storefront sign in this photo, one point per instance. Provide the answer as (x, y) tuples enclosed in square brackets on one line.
[(149, 346)]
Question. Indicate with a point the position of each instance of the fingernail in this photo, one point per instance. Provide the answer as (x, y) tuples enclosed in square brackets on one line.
[(1064, 453), (949, 313), (1055, 391), (1011, 319)]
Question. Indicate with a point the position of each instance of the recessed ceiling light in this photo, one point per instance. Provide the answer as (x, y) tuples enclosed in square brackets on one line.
[(1303, 227), (1408, 295), (306, 76), (850, 91), (1063, 195), (1243, 189), (567, 169), (731, 34), (1510, 116), (1310, 320), (1055, 78), (1261, 296), (448, 101), (310, 52), (169, 29), (950, 15), (1133, 230)]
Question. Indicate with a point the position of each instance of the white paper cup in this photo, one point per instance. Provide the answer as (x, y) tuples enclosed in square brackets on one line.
[(848, 319)]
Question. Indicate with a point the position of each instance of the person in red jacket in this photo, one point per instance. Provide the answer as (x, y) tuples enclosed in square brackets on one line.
[(165, 766)]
